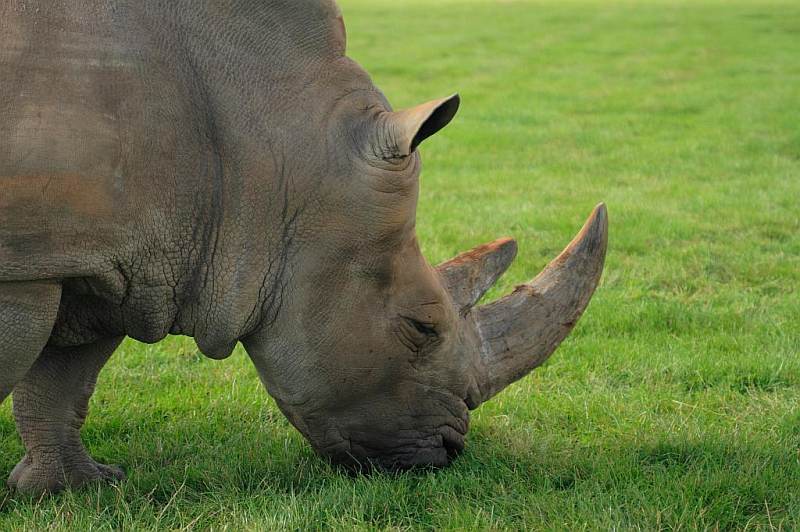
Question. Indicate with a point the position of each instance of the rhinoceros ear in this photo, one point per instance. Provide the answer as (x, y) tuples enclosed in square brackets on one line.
[(402, 131), (340, 34)]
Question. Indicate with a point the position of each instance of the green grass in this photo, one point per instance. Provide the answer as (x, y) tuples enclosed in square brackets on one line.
[(674, 403)]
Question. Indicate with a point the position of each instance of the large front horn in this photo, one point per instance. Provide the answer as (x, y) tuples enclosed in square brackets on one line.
[(519, 331)]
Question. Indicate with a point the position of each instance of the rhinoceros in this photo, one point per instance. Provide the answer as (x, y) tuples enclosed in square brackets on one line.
[(222, 170)]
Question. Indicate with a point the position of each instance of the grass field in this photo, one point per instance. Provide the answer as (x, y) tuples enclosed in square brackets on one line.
[(674, 403)]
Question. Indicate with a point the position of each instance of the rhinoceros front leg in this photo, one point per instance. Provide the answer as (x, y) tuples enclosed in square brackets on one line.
[(50, 406), (27, 313)]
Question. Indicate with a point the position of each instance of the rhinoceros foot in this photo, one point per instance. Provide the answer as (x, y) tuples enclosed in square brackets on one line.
[(36, 477)]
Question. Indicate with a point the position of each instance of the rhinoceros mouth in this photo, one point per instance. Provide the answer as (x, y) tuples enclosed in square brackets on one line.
[(361, 453)]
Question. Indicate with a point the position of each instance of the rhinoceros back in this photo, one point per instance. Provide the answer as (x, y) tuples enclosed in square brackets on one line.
[(110, 111)]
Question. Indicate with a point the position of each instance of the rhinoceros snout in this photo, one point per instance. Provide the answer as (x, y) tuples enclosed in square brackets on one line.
[(434, 451)]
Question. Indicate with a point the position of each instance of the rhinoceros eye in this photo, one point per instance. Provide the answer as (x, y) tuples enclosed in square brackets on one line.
[(416, 334)]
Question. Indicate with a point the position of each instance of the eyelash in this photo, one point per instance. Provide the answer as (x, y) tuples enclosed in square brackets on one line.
[(423, 328), (415, 334)]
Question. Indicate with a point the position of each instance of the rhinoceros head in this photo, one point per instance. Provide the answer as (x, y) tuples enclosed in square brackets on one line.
[(377, 356)]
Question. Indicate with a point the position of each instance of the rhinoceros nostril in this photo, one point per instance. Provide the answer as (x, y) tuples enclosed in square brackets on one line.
[(452, 440)]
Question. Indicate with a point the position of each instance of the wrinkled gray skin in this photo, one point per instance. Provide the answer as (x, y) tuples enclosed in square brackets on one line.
[(221, 170)]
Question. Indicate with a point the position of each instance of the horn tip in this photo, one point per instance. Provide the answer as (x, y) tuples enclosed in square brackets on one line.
[(601, 213), (596, 228), (505, 251), (601, 208), (507, 245), (592, 239)]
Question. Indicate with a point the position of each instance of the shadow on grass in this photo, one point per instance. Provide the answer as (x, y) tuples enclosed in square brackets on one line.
[(177, 471)]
